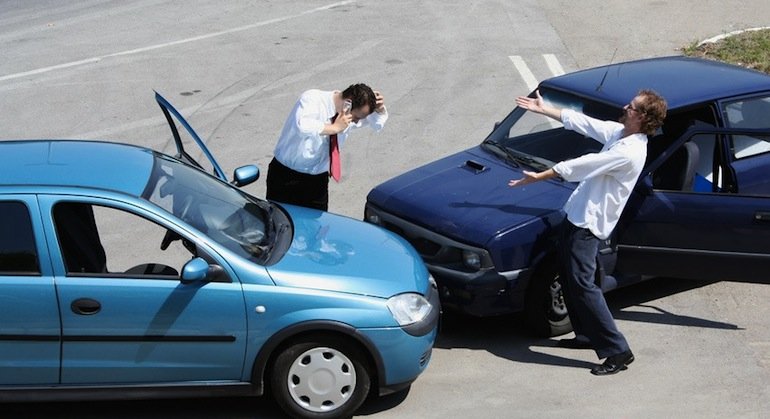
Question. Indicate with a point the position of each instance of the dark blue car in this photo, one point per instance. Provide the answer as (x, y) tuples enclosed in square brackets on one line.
[(701, 208)]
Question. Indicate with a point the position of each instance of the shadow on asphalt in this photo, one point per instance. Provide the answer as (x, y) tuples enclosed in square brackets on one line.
[(231, 408), (503, 336), (506, 336), (202, 408)]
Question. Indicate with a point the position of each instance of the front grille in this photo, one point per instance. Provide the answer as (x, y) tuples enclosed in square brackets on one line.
[(434, 248), (424, 246)]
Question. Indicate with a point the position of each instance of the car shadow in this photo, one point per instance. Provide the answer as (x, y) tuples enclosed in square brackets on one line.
[(200, 408), (507, 337), (375, 404)]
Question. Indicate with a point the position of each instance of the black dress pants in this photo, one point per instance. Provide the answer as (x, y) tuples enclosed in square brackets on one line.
[(292, 187)]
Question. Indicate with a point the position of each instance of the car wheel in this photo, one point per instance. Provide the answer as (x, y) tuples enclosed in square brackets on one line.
[(545, 311), (320, 378)]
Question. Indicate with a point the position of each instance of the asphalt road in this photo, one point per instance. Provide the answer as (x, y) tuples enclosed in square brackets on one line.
[(449, 70)]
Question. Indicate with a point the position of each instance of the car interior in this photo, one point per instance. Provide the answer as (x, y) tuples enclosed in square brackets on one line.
[(690, 166), (82, 247)]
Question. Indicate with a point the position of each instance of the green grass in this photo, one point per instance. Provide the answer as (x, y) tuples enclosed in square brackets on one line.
[(749, 49)]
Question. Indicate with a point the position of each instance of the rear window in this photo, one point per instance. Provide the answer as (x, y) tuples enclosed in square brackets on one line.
[(18, 255)]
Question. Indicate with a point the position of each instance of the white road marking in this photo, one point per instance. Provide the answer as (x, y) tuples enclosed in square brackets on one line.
[(524, 71), (526, 74), (170, 44), (529, 78), (553, 64)]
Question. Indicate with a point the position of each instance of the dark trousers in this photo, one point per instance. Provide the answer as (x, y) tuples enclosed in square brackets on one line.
[(292, 187), (585, 301)]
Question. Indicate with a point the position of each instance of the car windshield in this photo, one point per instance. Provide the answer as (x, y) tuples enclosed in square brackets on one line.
[(224, 213), (539, 142)]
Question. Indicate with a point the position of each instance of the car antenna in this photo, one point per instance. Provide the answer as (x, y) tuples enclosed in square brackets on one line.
[(612, 60)]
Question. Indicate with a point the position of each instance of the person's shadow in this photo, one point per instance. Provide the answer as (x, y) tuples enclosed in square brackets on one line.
[(508, 338)]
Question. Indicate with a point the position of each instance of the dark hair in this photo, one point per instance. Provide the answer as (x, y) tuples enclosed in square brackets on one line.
[(361, 95), (653, 107)]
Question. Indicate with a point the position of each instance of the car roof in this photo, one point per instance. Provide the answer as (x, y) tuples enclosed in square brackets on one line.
[(91, 164), (682, 81)]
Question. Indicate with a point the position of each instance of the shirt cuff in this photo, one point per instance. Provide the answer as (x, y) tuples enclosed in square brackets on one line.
[(562, 170)]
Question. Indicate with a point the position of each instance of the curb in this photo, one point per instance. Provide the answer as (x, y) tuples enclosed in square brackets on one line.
[(726, 35)]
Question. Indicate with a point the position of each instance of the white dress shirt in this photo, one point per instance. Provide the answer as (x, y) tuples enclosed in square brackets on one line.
[(606, 178), (301, 146)]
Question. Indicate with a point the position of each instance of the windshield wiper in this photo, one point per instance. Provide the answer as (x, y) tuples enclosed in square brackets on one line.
[(509, 156), (518, 158), (523, 158)]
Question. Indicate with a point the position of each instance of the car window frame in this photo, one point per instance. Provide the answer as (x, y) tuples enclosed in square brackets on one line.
[(744, 131), (159, 217)]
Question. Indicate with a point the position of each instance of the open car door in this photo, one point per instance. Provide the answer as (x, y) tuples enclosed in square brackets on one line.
[(211, 164), (242, 175)]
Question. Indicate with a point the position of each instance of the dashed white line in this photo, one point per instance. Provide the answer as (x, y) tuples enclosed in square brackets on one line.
[(526, 74), (553, 64), (170, 44), (524, 71), (529, 78)]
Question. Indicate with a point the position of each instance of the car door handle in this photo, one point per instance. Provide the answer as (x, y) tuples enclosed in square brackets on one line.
[(85, 306), (762, 216)]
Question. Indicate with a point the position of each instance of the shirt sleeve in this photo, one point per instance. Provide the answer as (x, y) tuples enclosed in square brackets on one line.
[(602, 131), (308, 114), (376, 120), (593, 164)]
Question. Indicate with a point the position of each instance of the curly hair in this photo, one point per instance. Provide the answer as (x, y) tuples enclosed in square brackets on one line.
[(361, 95), (653, 108)]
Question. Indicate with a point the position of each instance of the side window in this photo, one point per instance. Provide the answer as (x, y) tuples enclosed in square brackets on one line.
[(753, 113), (105, 241), (18, 255), (749, 113)]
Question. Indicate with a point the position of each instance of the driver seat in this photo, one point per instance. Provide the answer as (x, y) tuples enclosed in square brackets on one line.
[(678, 172)]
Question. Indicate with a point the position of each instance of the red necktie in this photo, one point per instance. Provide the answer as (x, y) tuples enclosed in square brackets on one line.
[(335, 169)]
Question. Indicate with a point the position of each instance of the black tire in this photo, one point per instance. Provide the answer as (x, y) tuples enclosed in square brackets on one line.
[(320, 377), (544, 309)]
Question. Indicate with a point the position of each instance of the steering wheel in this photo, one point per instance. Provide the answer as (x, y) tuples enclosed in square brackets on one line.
[(171, 235), (168, 238)]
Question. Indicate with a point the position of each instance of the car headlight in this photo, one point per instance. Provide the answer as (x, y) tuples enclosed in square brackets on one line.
[(409, 308), (472, 259)]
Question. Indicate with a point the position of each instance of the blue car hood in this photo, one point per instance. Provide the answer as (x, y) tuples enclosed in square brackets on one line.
[(336, 253), (466, 196)]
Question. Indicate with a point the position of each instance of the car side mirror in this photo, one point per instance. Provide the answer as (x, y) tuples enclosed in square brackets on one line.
[(198, 269), (245, 175)]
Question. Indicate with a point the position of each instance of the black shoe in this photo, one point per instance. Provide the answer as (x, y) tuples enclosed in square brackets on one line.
[(614, 364), (574, 343)]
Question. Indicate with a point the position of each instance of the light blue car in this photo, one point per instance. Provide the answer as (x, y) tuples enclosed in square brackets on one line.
[(127, 273)]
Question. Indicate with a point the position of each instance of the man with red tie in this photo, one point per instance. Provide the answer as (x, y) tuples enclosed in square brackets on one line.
[(307, 153)]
